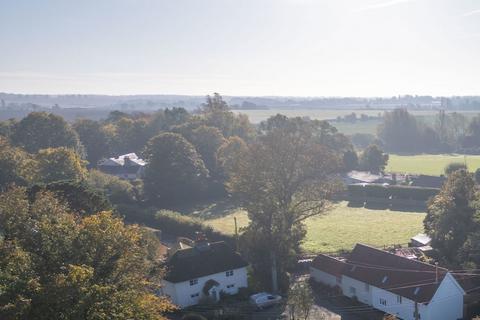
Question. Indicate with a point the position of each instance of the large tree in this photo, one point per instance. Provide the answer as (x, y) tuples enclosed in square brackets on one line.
[(16, 166), (55, 164), (285, 178), (230, 155), (41, 130), (207, 140), (399, 131), (373, 159), (95, 138), (216, 113), (175, 171), (451, 215), (56, 265)]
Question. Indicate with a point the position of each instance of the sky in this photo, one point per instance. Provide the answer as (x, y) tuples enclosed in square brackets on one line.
[(241, 47)]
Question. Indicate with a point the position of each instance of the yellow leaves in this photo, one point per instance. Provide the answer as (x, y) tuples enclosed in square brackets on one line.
[(93, 265), (154, 305), (55, 164)]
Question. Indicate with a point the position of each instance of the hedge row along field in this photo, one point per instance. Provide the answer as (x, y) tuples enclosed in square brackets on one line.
[(392, 192)]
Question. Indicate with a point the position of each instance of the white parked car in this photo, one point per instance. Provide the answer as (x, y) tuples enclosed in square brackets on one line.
[(263, 300)]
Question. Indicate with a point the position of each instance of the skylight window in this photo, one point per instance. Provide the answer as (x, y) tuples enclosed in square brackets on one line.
[(417, 289), (384, 279)]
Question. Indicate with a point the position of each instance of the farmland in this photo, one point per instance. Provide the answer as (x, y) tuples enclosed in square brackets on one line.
[(343, 226), (369, 126), (428, 163)]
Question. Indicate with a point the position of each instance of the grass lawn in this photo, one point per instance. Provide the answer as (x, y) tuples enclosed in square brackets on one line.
[(344, 226), (428, 163)]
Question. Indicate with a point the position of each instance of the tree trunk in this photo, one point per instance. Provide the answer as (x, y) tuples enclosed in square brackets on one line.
[(274, 272)]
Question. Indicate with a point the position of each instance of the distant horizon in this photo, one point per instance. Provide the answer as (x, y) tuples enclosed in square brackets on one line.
[(239, 96)]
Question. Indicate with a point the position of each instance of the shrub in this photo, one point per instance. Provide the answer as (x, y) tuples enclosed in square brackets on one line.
[(454, 166), (178, 225), (396, 192)]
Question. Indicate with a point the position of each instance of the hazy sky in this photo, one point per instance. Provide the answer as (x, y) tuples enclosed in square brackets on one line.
[(241, 47)]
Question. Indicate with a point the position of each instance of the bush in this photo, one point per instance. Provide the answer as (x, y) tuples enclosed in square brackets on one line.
[(396, 192), (377, 191), (454, 166), (178, 225), (413, 193), (117, 190)]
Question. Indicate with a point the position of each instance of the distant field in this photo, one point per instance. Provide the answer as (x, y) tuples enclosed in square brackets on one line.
[(257, 116), (426, 116), (344, 226), (428, 163)]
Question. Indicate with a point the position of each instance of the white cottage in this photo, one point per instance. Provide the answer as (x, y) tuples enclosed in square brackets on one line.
[(406, 288), (203, 271)]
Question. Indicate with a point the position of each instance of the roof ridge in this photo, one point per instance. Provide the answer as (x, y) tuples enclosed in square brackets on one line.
[(400, 257)]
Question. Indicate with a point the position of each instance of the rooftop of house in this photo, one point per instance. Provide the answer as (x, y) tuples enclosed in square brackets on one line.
[(202, 260), (409, 278), (129, 159), (422, 238)]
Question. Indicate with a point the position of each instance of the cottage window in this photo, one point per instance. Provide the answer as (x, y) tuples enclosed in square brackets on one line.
[(383, 302), (194, 295), (367, 287), (399, 299), (229, 273), (193, 282), (230, 286)]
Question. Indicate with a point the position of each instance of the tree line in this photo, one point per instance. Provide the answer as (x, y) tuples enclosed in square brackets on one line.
[(402, 132)]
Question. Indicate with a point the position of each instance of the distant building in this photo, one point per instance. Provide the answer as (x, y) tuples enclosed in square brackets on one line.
[(405, 288), (128, 166), (420, 240), (203, 272)]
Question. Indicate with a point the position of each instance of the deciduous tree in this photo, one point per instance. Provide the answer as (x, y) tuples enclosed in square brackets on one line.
[(373, 159), (55, 164), (285, 178), (41, 130), (56, 265), (175, 171), (451, 215)]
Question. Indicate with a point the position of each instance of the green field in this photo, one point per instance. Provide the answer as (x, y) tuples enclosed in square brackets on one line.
[(431, 164), (344, 226), (370, 126)]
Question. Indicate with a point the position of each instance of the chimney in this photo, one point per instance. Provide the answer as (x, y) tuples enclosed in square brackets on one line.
[(127, 161), (436, 272), (201, 242)]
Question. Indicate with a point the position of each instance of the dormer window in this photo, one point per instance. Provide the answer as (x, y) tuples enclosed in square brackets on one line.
[(384, 280), (416, 291)]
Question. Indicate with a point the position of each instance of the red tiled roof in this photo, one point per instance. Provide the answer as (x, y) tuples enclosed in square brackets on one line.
[(408, 278), (328, 264)]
